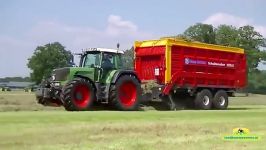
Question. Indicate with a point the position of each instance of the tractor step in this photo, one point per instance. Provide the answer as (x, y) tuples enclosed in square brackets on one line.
[(102, 93)]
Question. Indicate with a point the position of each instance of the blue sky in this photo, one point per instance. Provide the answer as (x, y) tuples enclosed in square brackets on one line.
[(79, 24)]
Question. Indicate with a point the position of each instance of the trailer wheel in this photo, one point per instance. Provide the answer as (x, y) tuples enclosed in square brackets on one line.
[(220, 100), (126, 93), (78, 95), (203, 99)]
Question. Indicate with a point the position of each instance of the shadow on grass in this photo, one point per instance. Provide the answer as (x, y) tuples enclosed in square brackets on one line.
[(246, 108), (240, 108), (181, 106), (143, 107), (159, 106)]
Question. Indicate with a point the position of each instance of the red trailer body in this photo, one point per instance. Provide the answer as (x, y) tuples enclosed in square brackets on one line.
[(183, 64)]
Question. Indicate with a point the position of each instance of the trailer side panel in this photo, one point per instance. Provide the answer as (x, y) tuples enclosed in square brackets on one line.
[(196, 67)]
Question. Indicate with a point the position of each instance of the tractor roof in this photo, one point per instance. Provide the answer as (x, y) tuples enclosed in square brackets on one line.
[(103, 50)]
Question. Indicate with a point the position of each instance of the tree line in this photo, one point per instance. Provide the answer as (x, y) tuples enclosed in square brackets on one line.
[(15, 79)]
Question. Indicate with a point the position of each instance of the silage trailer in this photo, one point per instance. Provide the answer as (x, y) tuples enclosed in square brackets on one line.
[(203, 75)]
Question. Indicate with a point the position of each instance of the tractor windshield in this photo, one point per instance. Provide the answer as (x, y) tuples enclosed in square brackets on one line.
[(92, 59)]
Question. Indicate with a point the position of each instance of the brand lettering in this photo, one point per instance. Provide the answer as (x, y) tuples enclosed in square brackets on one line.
[(189, 61)]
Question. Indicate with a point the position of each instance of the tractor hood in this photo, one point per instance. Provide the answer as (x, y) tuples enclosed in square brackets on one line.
[(68, 73), (60, 74)]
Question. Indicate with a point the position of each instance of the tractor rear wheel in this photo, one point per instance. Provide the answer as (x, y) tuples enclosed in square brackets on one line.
[(78, 95), (126, 93)]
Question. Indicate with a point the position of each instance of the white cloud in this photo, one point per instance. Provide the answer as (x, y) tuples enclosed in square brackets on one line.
[(15, 51), (76, 37), (228, 19), (117, 26), (223, 18)]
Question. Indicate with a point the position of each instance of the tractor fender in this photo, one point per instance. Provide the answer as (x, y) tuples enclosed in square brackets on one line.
[(120, 73), (87, 78)]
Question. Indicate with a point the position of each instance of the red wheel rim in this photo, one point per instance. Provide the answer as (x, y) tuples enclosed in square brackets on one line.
[(81, 96), (128, 94)]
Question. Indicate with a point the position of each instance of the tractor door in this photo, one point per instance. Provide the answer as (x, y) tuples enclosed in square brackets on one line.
[(107, 65), (92, 61)]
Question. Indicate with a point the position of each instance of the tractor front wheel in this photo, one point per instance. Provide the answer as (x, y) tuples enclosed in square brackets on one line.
[(126, 93), (78, 95)]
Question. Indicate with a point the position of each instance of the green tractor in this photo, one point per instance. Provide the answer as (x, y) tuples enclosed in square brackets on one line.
[(99, 79)]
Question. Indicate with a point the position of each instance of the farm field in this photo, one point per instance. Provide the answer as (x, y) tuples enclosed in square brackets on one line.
[(27, 125)]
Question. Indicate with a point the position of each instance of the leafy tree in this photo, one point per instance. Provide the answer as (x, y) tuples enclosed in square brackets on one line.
[(252, 41), (226, 35), (128, 58), (257, 82), (201, 32), (46, 58), (15, 79)]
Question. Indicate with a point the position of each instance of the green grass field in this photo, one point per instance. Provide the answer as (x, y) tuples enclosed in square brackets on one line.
[(27, 125)]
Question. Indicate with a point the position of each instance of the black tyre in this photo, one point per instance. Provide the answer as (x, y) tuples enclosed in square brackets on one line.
[(220, 100), (78, 95), (126, 93), (203, 99)]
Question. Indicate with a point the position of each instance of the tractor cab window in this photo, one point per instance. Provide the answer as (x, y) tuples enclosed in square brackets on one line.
[(119, 62), (108, 61), (92, 60)]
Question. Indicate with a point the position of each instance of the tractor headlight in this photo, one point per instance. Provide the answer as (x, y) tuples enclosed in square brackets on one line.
[(57, 84)]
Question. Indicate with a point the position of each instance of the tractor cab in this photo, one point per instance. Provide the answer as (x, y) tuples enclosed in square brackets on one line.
[(95, 57), (102, 60)]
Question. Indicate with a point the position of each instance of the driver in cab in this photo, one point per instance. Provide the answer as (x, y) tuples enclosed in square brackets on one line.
[(107, 64)]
